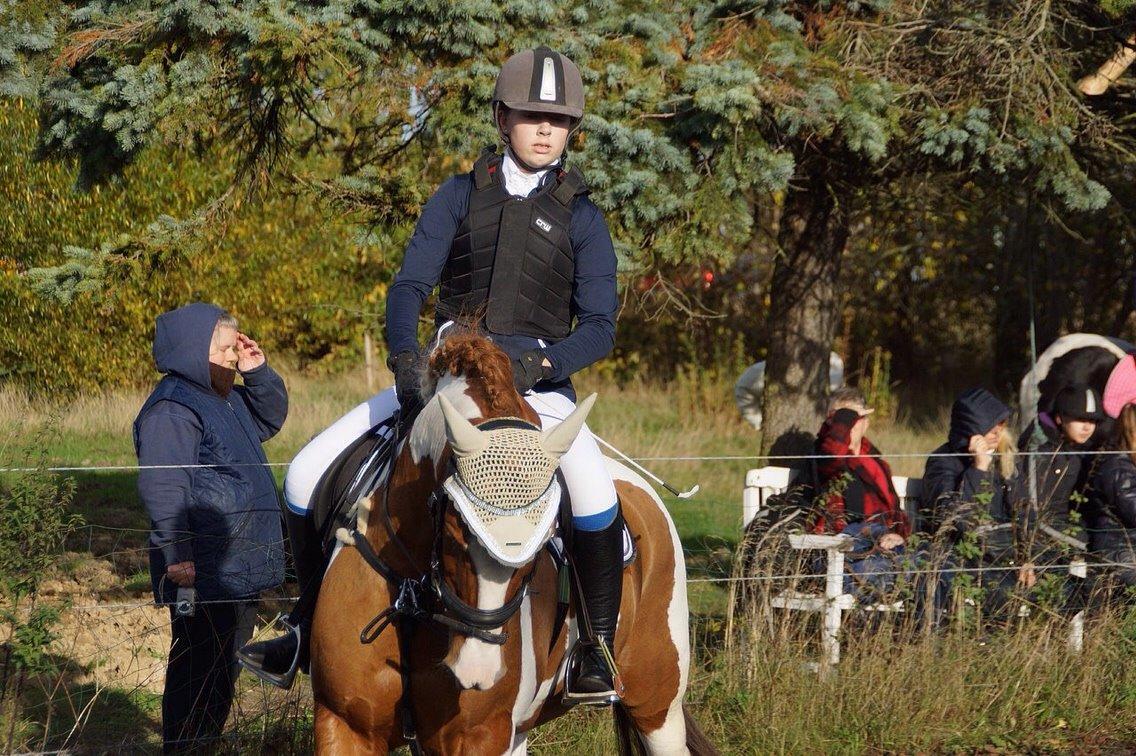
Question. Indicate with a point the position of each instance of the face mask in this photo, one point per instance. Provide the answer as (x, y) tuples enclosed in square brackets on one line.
[(221, 378)]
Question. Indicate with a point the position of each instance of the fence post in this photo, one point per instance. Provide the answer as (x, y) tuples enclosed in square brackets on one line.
[(1076, 641), (833, 590)]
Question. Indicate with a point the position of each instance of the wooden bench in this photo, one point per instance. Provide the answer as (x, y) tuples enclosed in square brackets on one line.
[(763, 483)]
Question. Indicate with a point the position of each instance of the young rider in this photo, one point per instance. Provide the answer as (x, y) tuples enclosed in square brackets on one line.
[(517, 244)]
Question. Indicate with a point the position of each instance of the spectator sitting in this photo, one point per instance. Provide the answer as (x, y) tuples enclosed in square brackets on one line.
[(1059, 469), (962, 477), (854, 480), (213, 506), (1110, 514), (858, 497)]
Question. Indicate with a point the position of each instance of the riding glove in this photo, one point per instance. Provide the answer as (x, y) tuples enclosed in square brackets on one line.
[(404, 365), (528, 370)]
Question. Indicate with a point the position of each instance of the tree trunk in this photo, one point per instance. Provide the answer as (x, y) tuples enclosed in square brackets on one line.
[(804, 315)]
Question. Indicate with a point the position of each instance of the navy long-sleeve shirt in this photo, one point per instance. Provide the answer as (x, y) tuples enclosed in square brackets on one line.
[(594, 298)]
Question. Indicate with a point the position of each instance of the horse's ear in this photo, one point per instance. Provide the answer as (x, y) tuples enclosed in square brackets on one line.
[(556, 441), (465, 439)]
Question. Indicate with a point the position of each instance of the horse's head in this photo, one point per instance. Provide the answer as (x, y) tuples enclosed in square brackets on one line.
[(501, 495)]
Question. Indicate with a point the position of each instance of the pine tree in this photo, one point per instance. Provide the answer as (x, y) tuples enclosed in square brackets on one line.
[(828, 103)]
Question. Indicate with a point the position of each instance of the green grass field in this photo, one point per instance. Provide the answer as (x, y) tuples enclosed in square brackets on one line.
[(969, 688)]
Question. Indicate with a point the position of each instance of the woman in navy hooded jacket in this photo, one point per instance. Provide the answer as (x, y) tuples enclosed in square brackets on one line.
[(213, 504), (963, 474)]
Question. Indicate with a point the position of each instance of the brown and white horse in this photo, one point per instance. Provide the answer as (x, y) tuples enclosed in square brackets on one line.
[(470, 696)]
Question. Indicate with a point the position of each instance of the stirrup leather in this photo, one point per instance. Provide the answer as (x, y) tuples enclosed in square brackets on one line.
[(284, 679)]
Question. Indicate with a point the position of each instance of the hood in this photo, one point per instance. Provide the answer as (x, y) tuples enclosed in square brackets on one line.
[(974, 412), (181, 342)]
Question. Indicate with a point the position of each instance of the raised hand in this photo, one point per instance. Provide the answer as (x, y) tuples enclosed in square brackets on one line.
[(983, 454), (249, 354)]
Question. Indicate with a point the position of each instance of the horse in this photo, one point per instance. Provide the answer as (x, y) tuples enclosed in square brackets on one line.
[(479, 674)]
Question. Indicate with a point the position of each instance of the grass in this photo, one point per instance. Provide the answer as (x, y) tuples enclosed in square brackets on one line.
[(1010, 690)]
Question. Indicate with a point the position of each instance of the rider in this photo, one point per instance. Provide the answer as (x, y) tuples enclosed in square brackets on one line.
[(517, 244)]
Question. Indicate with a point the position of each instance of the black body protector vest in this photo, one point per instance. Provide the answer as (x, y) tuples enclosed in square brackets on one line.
[(511, 262)]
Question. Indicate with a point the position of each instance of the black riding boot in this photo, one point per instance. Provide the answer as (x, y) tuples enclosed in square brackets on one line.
[(598, 559), (276, 661)]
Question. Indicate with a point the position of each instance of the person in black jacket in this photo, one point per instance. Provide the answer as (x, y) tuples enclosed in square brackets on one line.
[(969, 473), (215, 535), (966, 490), (1052, 478), (1055, 443), (1110, 514)]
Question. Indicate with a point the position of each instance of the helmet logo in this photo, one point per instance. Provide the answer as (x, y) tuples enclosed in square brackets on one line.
[(548, 81)]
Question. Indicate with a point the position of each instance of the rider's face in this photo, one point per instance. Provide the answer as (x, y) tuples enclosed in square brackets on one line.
[(538, 139)]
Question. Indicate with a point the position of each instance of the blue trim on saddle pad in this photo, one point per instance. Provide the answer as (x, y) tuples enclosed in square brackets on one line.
[(597, 521)]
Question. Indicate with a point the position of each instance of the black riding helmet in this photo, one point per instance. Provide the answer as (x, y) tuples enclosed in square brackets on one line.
[(1078, 402)]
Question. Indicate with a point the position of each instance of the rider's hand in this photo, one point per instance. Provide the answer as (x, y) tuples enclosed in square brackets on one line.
[(983, 454), (530, 369), (182, 573), (404, 365)]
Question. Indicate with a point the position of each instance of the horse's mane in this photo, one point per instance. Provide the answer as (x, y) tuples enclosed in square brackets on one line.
[(467, 352)]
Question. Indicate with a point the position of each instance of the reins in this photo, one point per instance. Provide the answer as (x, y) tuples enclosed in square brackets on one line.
[(417, 599)]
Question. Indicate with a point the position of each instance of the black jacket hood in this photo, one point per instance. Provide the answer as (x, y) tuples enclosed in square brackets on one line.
[(974, 413), (181, 342)]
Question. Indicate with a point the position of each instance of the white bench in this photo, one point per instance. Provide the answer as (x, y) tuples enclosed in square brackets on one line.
[(765, 482)]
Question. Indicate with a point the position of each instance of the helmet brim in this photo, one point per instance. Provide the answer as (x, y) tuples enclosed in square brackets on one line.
[(543, 107)]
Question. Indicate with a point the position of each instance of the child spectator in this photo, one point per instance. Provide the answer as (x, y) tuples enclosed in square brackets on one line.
[(962, 476), (858, 498), (1055, 442), (1110, 514)]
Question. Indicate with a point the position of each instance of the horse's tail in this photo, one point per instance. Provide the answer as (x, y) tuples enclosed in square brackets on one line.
[(696, 741), (625, 733), (631, 745)]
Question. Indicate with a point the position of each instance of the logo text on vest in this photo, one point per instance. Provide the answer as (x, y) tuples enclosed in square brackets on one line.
[(544, 225)]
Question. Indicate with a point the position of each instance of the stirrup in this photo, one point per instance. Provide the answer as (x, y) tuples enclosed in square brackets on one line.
[(284, 679), (572, 670)]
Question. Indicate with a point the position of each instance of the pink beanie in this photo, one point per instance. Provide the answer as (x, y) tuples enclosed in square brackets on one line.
[(1121, 387)]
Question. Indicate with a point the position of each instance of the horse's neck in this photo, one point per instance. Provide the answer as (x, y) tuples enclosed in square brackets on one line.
[(403, 507)]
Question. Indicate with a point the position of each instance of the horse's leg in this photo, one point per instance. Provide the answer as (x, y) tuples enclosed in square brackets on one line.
[(520, 745), (670, 738), (335, 736)]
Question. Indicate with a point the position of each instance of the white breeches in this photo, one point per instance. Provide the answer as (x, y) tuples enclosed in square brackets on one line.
[(590, 487)]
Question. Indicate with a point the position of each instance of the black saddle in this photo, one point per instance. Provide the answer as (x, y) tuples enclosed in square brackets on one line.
[(353, 474)]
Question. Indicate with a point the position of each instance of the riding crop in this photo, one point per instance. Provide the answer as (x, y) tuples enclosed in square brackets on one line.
[(680, 494)]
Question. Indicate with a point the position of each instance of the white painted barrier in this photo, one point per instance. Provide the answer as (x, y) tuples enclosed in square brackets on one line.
[(763, 483)]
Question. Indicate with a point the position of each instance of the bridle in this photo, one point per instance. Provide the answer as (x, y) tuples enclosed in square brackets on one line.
[(428, 597)]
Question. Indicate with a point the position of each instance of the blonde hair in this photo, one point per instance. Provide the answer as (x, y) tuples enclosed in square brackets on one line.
[(1007, 449), (1126, 431)]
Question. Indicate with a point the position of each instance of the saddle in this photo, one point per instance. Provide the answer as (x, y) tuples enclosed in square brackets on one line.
[(354, 474)]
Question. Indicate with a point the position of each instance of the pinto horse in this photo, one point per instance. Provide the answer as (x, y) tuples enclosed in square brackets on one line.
[(469, 692)]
